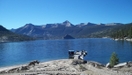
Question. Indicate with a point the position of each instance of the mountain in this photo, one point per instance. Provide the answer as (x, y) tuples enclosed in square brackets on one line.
[(59, 30), (2, 29), (113, 24), (91, 24), (123, 33), (67, 24), (118, 31), (8, 36)]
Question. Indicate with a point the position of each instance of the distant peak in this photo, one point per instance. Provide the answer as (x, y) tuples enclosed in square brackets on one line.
[(101, 24), (3, 28), (90, 24), (114, 24), (29, 25), (66, 21)]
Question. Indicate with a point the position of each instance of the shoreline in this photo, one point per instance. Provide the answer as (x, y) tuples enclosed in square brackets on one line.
[(19, 65), (117, 39), (10, 67), (64, 67)]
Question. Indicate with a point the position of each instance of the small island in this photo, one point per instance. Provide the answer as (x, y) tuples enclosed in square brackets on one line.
[(68, 37)]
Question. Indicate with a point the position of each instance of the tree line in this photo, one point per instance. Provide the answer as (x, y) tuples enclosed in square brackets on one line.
[(124, 32)]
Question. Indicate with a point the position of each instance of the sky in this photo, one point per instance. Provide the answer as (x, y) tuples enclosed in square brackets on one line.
[(17, 13)]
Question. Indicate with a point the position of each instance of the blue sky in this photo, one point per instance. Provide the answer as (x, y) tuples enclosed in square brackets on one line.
[(16, 13)]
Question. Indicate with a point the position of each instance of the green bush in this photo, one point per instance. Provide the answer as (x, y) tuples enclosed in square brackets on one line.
[(114, 60)]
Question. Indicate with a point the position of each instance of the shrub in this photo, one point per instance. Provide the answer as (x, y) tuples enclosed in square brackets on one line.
[(114, 60)]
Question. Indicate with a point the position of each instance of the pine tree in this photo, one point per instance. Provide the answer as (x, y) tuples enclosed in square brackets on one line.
[(114, 60), (130, 33), (122, 33)]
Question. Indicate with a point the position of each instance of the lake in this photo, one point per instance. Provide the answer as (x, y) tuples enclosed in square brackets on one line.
[(100, 50)]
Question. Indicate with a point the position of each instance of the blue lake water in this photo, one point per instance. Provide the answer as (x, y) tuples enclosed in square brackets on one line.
[(98, 49)]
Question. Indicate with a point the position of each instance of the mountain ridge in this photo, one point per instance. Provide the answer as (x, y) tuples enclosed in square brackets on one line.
[(59, 30), (8, 36)]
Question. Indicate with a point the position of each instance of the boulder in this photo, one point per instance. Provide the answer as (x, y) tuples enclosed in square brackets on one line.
[(24, 68), (33, 63), (78, 61)]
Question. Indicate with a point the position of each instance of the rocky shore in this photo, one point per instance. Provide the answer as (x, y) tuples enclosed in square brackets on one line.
[(66, 67)]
